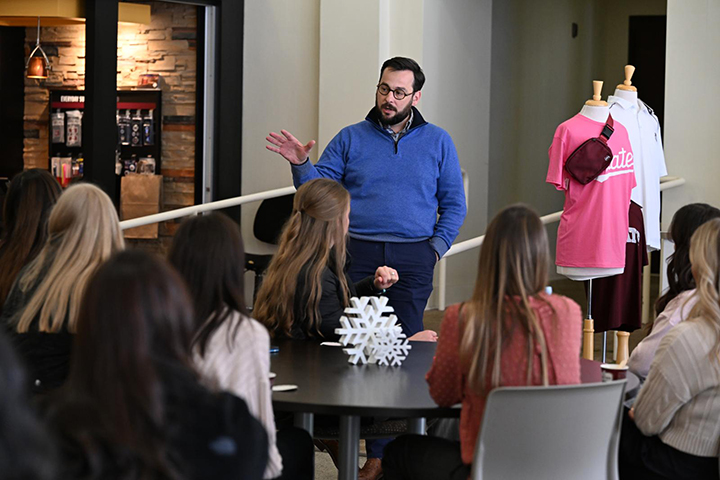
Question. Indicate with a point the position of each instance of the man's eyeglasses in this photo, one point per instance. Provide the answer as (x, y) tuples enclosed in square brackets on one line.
[(397, 93)]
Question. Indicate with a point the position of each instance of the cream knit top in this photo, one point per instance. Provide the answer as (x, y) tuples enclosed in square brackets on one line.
[(680, 400), (242, 368)]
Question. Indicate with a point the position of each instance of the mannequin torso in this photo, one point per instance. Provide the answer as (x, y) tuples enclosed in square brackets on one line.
[(631, 97), (598, 114)]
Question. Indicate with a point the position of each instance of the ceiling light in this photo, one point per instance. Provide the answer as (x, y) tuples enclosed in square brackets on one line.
[(37, 67)]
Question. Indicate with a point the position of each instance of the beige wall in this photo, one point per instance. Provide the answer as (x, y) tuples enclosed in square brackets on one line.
[(280, 91), (692, 118), (456, 97), (350, 40), (541, 77)]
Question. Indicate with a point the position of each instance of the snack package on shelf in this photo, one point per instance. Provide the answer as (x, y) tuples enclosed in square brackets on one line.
[(74, 128), (57, 122)]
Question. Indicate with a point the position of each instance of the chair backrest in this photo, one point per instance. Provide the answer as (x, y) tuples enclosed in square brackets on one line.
[(556, 432), (271, 217)]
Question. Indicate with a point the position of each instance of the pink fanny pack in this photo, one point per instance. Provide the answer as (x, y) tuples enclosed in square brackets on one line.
[(592, 157)]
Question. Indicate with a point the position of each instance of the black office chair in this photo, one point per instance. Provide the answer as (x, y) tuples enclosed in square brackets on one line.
[(270, 219)]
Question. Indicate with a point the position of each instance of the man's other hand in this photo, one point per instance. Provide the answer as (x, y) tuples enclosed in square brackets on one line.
[(425, 336)]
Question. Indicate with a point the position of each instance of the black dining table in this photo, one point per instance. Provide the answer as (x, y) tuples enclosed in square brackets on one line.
[(327, 384)]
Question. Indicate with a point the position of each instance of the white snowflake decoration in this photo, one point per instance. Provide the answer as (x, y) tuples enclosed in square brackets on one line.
[(372, 337)]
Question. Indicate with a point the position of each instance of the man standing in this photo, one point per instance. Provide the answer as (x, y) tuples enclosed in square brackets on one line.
[(405, 184)]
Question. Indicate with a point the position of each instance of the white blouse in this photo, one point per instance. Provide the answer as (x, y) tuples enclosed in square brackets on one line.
[(241, 366), (675, 312)]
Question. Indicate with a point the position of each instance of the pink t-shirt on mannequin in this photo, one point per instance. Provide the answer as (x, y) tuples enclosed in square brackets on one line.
[(594, 223)]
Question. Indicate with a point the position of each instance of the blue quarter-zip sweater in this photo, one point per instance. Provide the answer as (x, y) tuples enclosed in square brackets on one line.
[(397, 190)]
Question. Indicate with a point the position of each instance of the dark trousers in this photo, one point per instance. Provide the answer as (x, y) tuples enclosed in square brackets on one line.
[(414, 262), (649, 458), (298, 454), (417, 457)]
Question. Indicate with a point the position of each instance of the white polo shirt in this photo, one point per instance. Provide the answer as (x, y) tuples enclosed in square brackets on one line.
[(644, 131)]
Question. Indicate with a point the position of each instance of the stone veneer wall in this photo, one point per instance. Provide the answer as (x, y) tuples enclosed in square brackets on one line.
[(167, 47)]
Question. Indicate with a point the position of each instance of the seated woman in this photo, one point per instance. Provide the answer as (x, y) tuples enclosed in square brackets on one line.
[(673, 430), (28, 202), (133, 408), (41, 311), (675, 305), (232, 351), (510, 333), (306, 288)]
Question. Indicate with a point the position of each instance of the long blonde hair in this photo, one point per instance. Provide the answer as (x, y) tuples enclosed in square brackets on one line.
[(314, 230), (705, 260), (513, 267), (83, 231)]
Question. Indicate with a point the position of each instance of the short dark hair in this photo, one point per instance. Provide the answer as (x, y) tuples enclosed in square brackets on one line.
[(404, 63)]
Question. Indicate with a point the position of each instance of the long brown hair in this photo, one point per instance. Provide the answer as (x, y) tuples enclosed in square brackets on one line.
[(705, 260), (513, 266), (83, 232), (135, 320), (313, 232), (27, 206), (208, 252)]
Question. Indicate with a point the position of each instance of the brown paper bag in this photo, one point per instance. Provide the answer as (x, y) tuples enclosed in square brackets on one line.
[(140, 195)]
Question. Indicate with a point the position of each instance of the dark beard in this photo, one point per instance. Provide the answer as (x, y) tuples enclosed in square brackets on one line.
[(395, 119)]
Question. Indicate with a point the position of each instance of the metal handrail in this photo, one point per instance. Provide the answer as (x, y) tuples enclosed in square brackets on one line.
[(230, 202), (460, 247), (205, 207), (665, 184)]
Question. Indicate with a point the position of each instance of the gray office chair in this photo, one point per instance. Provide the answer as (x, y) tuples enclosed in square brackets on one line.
[(569, 431)]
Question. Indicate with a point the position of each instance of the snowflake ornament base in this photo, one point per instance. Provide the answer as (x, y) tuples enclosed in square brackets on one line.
[(371, 336)]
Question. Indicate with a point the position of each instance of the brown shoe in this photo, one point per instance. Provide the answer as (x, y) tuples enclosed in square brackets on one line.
[(372, 470), (332, 447)]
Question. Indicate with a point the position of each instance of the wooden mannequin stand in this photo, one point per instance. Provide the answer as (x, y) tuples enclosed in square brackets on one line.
[(627, 84), (622, 352), (596, 98)]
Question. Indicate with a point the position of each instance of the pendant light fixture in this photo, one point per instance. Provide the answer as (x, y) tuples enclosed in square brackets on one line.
[(37, 67)]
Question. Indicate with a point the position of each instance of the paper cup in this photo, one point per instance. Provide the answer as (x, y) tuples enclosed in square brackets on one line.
[(612, 371)]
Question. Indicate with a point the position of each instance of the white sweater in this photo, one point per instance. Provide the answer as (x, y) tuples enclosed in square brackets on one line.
[(680, 400), (242, 367)]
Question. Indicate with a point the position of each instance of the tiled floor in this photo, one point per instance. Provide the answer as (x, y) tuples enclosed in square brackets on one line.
[(324, 468)]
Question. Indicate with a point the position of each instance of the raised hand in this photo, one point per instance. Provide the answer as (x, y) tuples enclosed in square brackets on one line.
[(289, 147)]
